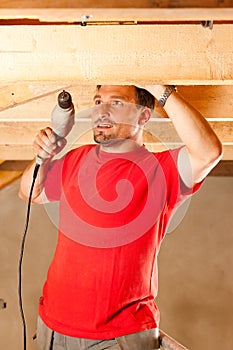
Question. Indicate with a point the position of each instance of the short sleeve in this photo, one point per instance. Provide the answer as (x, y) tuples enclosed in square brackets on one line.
[(176, 191)]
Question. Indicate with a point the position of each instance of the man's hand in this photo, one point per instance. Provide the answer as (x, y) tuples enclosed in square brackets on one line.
[(46, 144), (155, 90)]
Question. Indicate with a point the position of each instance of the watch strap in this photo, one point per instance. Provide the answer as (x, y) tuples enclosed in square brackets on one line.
[(168, 91)]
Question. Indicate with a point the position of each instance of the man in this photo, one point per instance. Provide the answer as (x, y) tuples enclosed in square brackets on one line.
[(116, 199)]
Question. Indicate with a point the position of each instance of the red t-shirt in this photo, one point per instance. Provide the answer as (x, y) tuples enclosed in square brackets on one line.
[(114, 211)]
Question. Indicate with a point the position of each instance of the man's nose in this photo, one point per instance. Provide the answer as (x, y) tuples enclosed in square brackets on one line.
[(103, 110)]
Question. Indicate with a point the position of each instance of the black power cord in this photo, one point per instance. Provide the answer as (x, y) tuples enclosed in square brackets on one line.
[(37, 166)]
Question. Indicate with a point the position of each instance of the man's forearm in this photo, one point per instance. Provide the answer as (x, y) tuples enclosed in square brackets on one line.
[(193, 129), (27, 178)]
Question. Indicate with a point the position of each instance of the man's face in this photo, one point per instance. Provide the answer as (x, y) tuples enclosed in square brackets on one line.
[(115, 115)]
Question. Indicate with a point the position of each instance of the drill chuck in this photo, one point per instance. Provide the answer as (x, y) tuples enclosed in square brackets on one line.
[(64, 99)]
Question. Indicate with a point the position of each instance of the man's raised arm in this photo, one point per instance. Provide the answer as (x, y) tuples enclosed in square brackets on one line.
[(201, 143)]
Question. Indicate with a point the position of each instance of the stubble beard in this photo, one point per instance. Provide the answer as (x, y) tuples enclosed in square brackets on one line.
[(102, 138), (108, 139), (105, 138)]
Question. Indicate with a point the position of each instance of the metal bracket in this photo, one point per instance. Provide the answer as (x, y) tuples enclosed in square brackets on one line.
[(85, 18), (207, 24), (2, 304)]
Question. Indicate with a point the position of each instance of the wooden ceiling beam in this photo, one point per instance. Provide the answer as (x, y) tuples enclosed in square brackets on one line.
[(118, 54), (121, 15), (112, 3), (223, 168), (23, 132), (26, 107), (24, 151), (16, 137), (32, 100)]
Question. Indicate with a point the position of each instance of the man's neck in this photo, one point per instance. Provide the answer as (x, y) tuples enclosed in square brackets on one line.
[(121, 146)]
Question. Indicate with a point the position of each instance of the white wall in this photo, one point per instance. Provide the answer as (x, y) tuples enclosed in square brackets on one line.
[(195, 269)]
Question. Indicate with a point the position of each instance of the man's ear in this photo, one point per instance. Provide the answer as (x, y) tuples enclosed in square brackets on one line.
[(144, 116)]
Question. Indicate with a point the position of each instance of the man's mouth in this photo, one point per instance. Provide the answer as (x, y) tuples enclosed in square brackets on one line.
[(104, 124)]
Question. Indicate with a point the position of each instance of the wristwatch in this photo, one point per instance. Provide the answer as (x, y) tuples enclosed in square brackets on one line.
[(163, 98)]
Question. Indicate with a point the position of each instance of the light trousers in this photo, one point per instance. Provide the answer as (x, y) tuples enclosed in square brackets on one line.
[(50, 340)]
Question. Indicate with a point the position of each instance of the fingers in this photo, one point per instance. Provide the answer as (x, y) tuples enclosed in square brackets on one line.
[(45, 144)]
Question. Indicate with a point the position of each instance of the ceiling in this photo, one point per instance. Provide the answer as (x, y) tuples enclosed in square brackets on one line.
[(50, 46)]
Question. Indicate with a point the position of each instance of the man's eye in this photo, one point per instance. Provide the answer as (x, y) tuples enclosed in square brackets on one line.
[(117, 103), (98, 102)]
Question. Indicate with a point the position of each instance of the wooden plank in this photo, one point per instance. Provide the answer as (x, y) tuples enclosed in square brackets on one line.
[(144, 54), (158, 147), (223, 168), (211, 101), (169, 343), (14, 165), (112, 3), (24, 151), (35, 100), (18, 93), (228, 151), (6, 177), (20, 122), (9, 173), (103, 15), (16, 152), (21, 134), (165, 131)]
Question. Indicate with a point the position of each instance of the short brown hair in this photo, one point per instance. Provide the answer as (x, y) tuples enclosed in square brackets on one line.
[(143, 97)]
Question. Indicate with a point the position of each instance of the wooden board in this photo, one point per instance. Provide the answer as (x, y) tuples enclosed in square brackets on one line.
[(223, 168), (26, 108), (6, 177), (24, 152), (120, 15), (16, 140), (35, 100), (113, 3), (118, 54)]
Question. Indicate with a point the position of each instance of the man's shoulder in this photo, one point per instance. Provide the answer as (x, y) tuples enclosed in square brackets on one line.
[(167, 154)]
